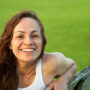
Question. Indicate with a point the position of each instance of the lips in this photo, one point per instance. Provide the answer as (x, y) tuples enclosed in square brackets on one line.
[(28, 50)]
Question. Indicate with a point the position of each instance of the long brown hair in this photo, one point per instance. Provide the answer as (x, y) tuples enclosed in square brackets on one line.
[(8, 75)]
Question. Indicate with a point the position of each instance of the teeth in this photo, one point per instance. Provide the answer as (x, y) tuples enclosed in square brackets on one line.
[(28, 50)]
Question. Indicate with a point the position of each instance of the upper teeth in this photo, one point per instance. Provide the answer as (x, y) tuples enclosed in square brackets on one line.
[(27, 50)]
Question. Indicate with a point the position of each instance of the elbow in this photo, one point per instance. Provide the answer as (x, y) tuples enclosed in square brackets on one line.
[(75, 67)]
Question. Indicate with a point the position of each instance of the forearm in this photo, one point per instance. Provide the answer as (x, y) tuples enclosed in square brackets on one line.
[(62, 82), (68, 75)]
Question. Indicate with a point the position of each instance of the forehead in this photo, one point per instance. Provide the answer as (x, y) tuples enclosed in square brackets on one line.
[(27, 24)]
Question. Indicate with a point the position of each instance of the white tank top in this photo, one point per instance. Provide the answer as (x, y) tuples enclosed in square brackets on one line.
[(38, 83)]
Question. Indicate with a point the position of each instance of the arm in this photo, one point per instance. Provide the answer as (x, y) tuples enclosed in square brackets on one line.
[(62, 82), (64, 68), (63, 64)]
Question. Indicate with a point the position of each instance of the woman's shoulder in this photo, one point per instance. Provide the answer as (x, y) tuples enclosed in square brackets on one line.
[(49, 65), (56, 62), (51, 60), (53, 57)]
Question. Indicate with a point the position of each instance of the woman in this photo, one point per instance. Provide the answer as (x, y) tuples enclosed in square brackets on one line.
[(23, 63)]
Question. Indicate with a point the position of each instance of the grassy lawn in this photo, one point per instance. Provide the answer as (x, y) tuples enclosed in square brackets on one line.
[(66, 22)]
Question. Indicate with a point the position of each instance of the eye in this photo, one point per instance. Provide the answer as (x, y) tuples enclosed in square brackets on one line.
[(20, 36), (35, 36)]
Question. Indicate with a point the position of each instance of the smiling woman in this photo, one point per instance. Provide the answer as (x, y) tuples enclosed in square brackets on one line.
[(23, 63), (26, 42)]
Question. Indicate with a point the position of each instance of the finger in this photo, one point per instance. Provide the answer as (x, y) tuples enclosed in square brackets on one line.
[(53, 86), (50, 86)]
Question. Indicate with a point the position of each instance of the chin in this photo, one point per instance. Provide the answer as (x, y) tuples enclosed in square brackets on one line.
[(29, 60)]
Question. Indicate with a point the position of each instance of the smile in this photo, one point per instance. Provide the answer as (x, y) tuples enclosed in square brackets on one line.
[(27, 50)]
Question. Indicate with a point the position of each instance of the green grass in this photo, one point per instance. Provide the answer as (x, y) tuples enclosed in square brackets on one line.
[(66, 22)]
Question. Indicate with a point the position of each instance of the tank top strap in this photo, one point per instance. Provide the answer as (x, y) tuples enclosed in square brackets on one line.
[(39, 75)]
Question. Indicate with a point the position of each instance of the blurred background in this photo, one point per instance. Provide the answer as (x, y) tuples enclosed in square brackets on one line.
[(66, 23)]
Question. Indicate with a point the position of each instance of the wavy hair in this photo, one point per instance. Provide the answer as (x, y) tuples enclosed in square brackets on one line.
[(8, 74)]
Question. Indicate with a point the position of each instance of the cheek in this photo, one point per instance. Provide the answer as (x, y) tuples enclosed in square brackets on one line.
[(15, 44), (39, 43)]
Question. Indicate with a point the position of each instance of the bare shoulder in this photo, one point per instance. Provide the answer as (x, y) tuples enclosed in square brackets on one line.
[(48, 67), (62, 63), (56, 62), (51, 57), (50, 61)]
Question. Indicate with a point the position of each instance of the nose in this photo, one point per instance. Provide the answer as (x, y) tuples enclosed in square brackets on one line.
[(28, 41)]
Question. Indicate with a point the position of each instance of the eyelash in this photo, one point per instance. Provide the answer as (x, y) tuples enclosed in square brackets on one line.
[(35, 36), (20, 36)]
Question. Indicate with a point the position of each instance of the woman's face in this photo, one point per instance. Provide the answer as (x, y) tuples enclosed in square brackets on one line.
[(26, 43)]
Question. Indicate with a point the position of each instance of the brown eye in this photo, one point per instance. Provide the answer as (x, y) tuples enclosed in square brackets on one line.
[(35, 36), (20, 36)]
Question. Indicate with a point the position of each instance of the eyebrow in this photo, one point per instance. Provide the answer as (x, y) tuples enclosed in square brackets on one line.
[(25, 32)]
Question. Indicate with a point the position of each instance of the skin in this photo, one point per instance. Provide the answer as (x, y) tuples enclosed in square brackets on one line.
[(26, 36), (62, 82), (62, 67), (26, 45)]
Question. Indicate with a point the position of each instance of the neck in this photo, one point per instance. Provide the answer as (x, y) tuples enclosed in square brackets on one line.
[(25, 68)]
